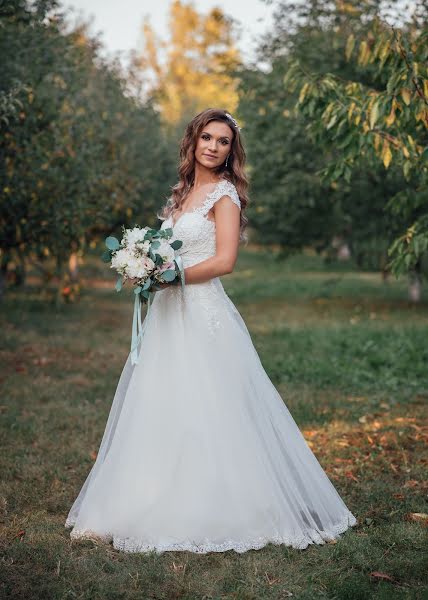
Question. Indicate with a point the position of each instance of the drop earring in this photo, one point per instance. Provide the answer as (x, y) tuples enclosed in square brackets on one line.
[(227, 160)]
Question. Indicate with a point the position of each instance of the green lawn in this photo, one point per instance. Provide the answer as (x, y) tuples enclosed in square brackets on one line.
[(349, 356)]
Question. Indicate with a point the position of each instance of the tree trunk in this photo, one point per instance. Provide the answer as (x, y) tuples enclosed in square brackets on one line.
[(4, 261), (60, 275), (415, 284), (73, 267)]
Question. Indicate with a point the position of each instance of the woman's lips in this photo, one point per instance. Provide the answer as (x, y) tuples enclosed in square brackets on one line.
[(210, 156)]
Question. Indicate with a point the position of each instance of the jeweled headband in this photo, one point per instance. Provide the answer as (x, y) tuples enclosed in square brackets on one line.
[(233, 121)]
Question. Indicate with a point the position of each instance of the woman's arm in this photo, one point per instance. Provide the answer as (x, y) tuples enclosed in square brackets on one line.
[(227, 223)]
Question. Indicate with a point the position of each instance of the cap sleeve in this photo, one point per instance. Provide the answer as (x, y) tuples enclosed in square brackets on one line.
[(224, 188)]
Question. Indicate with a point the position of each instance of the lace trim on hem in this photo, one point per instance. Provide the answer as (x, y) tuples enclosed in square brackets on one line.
[(130, 544)]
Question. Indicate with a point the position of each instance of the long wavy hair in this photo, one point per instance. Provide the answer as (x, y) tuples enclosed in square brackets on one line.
[(234, 171)]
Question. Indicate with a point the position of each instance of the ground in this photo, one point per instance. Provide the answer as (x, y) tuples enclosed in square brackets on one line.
[(348, 354)]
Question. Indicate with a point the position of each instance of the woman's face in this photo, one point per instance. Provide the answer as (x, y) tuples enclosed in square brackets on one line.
[(214, 144)]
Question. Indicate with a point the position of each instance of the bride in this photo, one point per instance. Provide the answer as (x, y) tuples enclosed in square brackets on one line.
[(199, 452)]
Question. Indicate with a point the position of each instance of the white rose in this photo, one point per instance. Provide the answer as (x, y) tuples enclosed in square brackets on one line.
[(121, 259), (133, 236), (145, 246), (140, 268), (165, 251), (148, 264)]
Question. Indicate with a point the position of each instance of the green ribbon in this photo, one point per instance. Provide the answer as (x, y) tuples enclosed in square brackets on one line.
[(138, 328), (180, 265)]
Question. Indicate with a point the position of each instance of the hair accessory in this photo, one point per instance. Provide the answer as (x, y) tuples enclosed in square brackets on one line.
[(233, 121)]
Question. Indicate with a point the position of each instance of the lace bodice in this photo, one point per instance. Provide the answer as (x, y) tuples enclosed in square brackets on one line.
[(197, 233), (195, 230)]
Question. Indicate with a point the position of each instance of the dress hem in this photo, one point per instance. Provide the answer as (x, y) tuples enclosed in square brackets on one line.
[(129, 544)]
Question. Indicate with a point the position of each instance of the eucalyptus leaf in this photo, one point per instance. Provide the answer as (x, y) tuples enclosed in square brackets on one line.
[(106, 256), (112, 243), (119, 284), (168, 275), (138, 289), (176, 244)]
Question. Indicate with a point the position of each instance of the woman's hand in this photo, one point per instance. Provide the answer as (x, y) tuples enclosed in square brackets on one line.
[(159, 285)]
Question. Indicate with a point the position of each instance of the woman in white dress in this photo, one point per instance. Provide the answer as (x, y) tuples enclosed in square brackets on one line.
[(200, 453)]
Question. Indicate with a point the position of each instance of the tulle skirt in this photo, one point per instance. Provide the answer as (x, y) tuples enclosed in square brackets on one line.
[(200, 453)]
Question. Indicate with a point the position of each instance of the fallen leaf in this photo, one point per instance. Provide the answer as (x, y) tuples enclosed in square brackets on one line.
[(310, 433), (20, 534), (419, 517), (411, 483), (379, 575)]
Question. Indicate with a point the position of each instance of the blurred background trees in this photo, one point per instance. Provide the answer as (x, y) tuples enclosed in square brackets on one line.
[(195, 68), (78, 156), (328, 168), (371, 115), (334, 123)]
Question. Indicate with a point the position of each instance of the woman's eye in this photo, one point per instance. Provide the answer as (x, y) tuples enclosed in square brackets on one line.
[(207, 137)]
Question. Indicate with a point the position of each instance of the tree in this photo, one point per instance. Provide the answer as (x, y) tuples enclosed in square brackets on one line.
[(293, 205), (381, 115), (79, 157), (198, 68)]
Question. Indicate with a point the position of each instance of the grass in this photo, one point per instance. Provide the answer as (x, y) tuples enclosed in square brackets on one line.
[(349, 356)]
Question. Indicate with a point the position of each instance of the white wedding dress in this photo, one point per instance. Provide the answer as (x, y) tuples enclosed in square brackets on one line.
[(200, 452)]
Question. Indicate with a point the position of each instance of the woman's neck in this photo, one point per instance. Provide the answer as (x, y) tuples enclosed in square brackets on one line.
[(205, 177)]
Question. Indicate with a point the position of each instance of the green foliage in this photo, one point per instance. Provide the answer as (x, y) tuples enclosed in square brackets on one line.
[(304, 189), (112, 243), (168, 275), (290, 205), (378, 115), (409, 249), (78, 155)]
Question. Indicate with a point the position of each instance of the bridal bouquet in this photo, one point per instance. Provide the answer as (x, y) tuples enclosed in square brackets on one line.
[(146, 256)]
